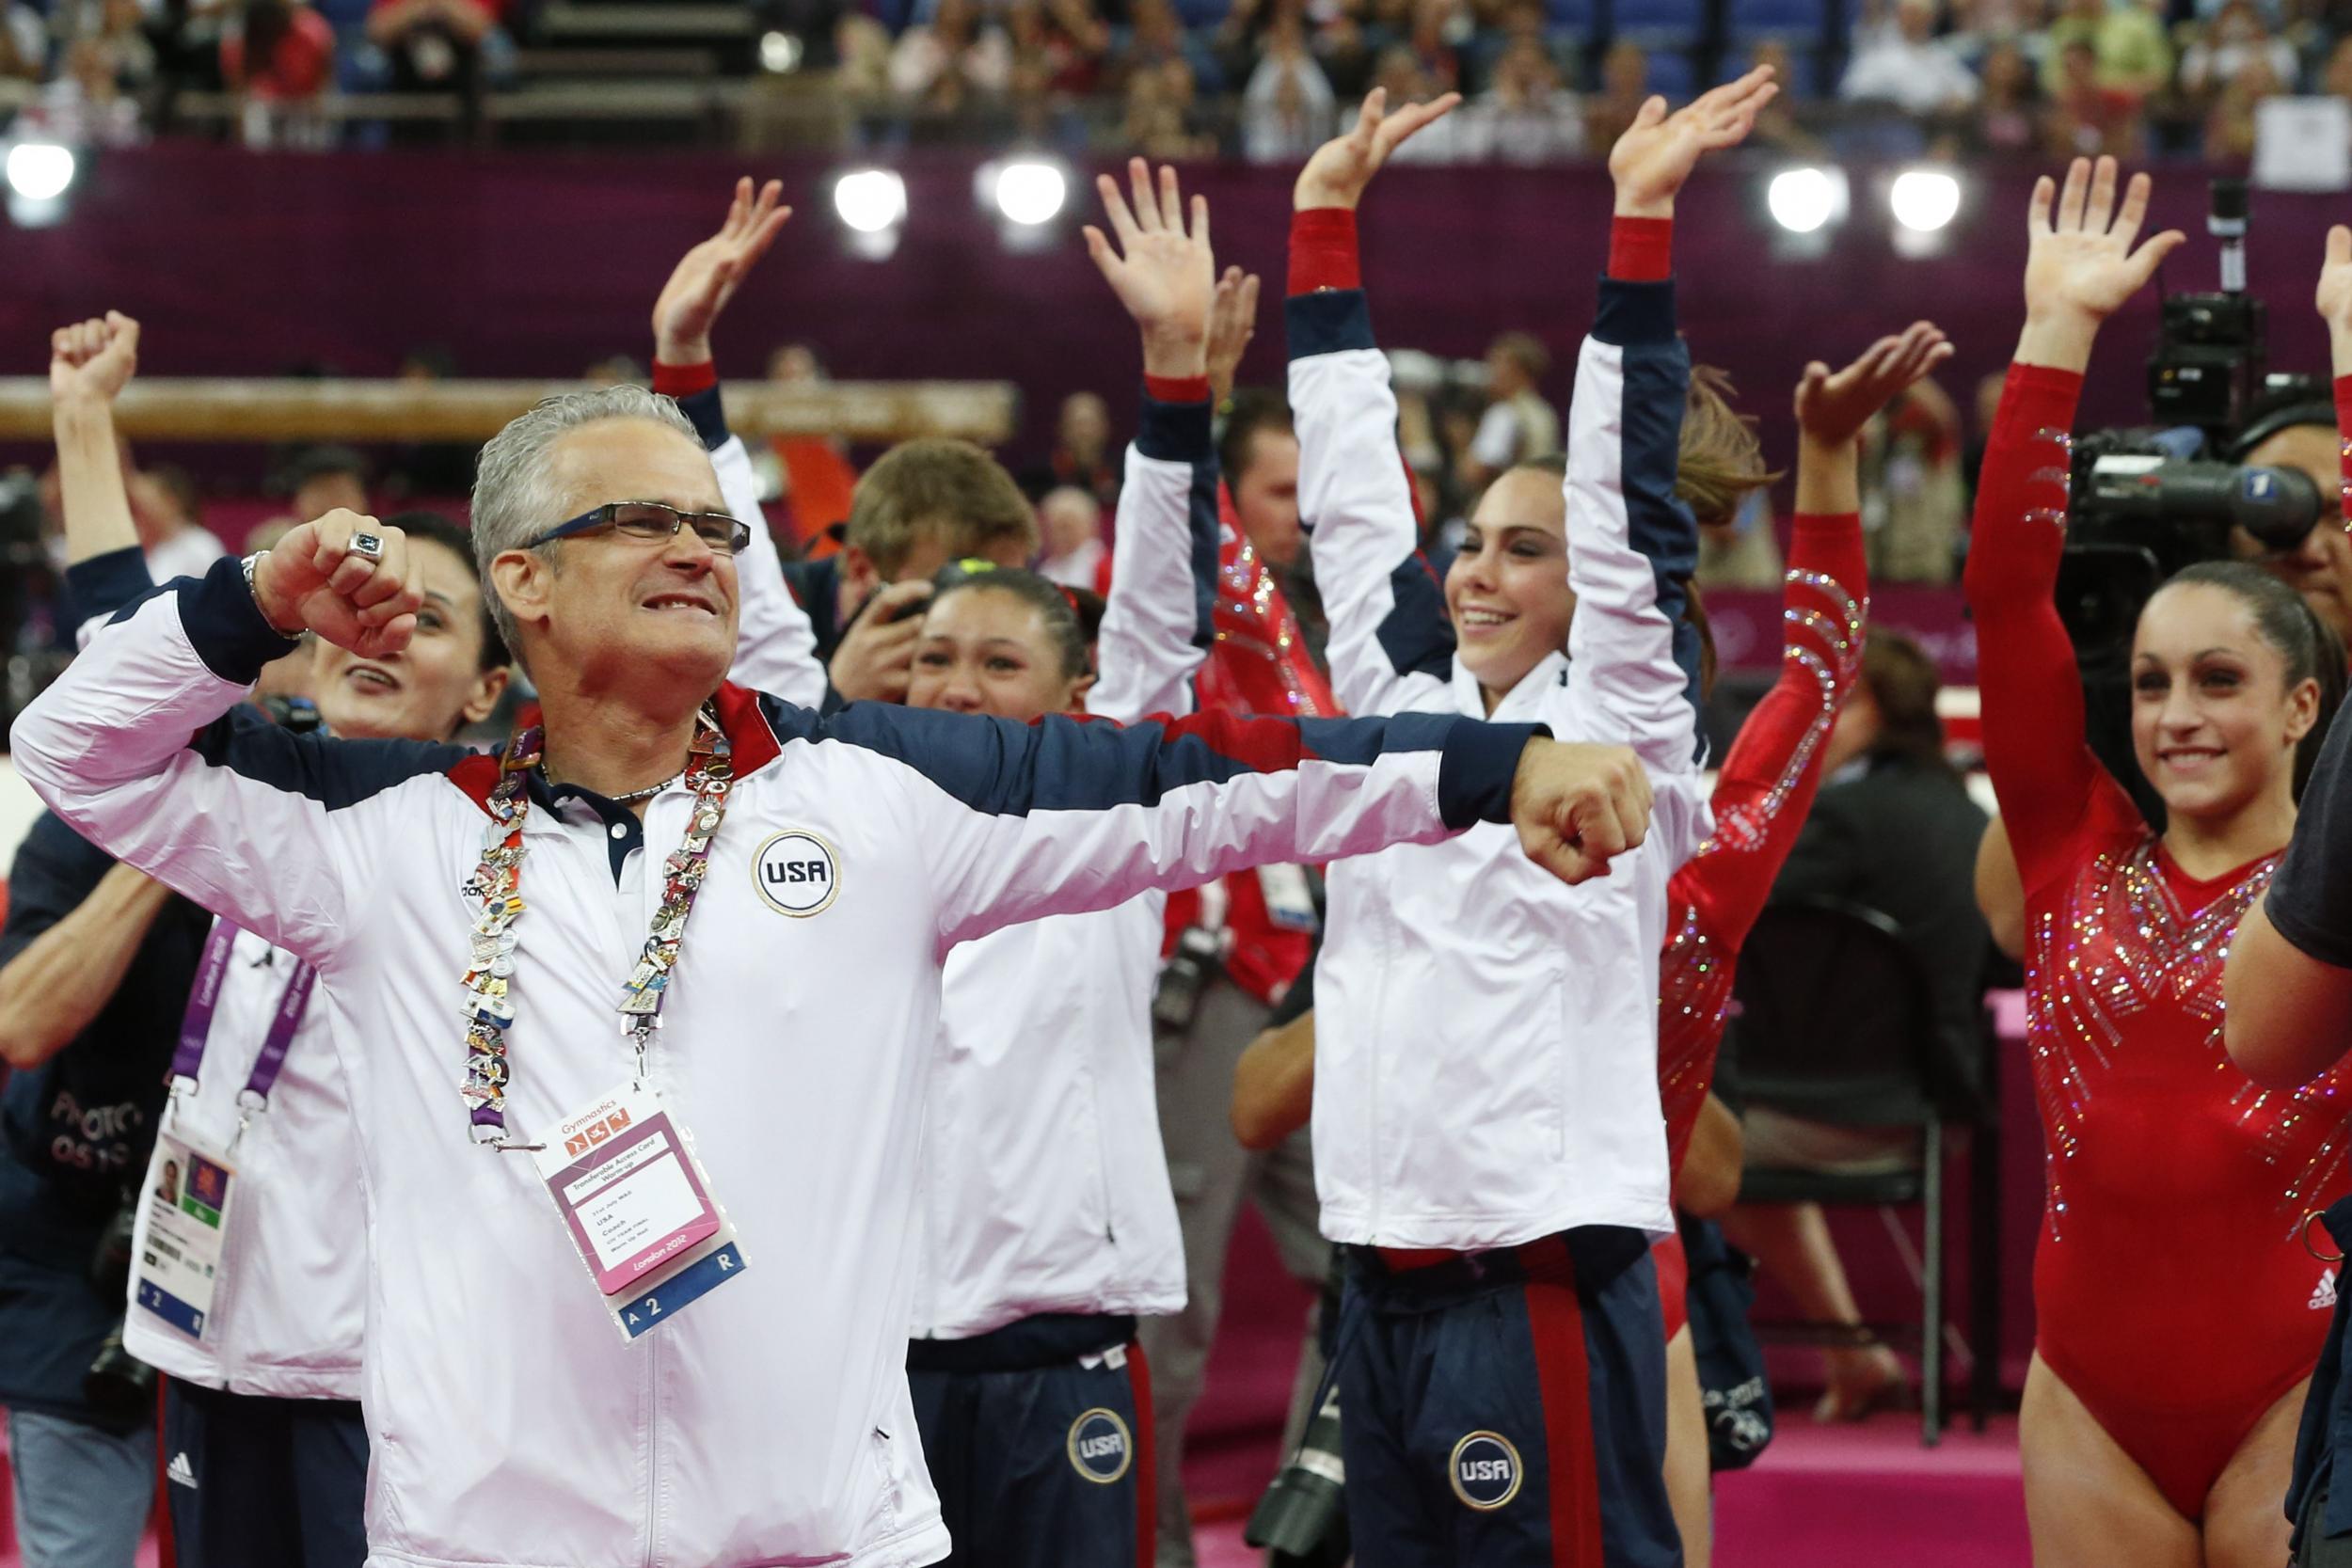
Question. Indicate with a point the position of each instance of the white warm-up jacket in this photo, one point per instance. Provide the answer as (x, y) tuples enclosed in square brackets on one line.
[(1045, 1183), (768, 1423), (289, 1303), (1486, 1037)]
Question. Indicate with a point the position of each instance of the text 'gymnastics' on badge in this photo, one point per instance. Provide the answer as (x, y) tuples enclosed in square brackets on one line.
[(637, 1205)]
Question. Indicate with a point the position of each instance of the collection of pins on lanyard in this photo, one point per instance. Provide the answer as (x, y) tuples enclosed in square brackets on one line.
[(496, 881)]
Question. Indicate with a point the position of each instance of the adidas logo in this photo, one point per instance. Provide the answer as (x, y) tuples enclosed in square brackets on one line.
[(2324, 1298), (184, 1474)]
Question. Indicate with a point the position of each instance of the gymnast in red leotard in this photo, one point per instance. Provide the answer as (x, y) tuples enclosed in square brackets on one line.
[(1760, 801), (2178, 1312)]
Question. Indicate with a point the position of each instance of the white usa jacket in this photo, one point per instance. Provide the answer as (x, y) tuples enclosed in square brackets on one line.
[(1044, 1181), (1486, 1037), (768, 1423), (290, 1301)]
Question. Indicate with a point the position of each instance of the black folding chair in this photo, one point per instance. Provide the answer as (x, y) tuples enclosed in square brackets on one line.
[(1837, 1024)]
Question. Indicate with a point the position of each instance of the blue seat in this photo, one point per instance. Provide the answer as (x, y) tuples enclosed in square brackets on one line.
[(1202, 13), (1569, 14), (1672, 72), (1812, 17), (1683, 16)]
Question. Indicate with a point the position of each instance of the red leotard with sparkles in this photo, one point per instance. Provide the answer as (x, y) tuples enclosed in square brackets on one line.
[(2172, 1292), (1761, 798)]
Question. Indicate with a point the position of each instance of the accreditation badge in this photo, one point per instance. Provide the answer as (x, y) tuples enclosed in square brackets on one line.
[(638, 1206), (187, 1232)]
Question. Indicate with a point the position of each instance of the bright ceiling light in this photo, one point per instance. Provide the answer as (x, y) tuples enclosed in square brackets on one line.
[(780, 53), (1801, 199), (870, 200), (40, 171), (1029, 191), (1924, 199)]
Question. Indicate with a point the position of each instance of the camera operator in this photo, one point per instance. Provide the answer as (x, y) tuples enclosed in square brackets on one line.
[(95, 962), (2298, 433)]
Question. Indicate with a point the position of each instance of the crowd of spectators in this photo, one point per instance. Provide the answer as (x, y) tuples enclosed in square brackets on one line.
[(1263, 79), (109, 73)]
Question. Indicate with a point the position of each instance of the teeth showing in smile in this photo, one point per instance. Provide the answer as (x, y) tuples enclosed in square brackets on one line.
[(668, 603), (364, 676), (1484, 618)]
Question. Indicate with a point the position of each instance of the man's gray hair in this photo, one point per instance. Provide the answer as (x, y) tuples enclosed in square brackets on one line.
[(513, 500)]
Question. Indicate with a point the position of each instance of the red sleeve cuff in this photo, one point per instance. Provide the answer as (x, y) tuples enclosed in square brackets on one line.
[(1641, 250), (684, 381), (1176, 388), (2038, 398), (1323, 250)]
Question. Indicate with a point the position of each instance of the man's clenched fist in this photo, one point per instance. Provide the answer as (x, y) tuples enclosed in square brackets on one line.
[(1576, 806), (344, 576)]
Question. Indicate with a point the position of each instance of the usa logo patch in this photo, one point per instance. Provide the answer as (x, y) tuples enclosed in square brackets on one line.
[(797, 873), (1485, 1471), (1101, 1448)]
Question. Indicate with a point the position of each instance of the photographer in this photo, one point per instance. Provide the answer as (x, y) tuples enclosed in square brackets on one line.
[(2172, 1191), (95, 963)]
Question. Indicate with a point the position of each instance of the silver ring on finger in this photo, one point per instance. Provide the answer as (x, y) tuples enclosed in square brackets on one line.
[(369, 545)]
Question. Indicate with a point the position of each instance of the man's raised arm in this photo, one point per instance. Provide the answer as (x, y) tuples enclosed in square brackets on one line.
[(1020, 821), (129, 747)]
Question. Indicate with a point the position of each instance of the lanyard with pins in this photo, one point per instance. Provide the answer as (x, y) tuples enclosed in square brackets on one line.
[(489, 1009)]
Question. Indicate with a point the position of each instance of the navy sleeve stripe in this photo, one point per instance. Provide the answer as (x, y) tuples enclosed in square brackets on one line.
[(335, 773), (1482, 763), (1329, 321), (223, 624), (708, 416), (1659, 522), (1002, 769), (108, 584), (1207, 520), (1174, 431), (1635, 312), (1417, 634)]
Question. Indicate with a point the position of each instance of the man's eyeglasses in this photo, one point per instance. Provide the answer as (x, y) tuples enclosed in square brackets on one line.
[(654, 521)]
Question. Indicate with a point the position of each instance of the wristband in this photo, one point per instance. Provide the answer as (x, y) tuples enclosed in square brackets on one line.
[(250, 563), (684, 381), (1641, 250)]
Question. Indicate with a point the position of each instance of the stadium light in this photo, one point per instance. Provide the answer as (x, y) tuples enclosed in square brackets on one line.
[(37, 179), (871, 200), (1805, 200), (1031, 190), (39, 170), (1924, 199), (780, 53)]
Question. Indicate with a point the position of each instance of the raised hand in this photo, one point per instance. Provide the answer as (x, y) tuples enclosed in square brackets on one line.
[(93, 359), (1832, 407), (1658, 149), (1342, 168), (1232, 322), (323, 577), (706, 276), (1165, 276), (1577, 807), (2081, 266)]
